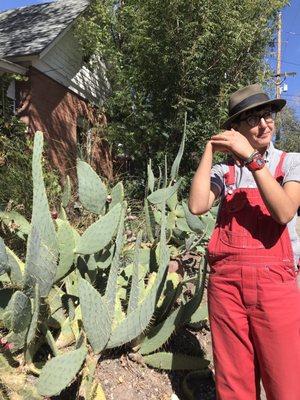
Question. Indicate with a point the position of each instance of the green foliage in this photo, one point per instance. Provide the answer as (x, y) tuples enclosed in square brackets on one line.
[(166, 58), (288, 125), (97, 286), (16, 157)]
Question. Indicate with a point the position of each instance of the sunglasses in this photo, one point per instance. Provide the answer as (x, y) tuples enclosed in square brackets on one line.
[(254, 119)]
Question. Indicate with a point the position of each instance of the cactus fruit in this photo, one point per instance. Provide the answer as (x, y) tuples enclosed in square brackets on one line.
[(92, 191), (59, 372)]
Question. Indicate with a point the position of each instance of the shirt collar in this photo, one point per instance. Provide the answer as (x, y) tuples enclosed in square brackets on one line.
[(269, 152)]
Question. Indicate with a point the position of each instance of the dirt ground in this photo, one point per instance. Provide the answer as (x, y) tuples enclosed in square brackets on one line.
[(124, 379)]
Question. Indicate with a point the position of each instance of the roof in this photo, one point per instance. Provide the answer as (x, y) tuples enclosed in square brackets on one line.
[(29, 30), (7, 66)]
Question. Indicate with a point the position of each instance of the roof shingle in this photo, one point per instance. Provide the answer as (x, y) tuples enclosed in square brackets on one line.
[(29, 30)]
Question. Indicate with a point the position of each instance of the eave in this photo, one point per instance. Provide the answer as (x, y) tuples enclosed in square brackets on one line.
[(10, 67)]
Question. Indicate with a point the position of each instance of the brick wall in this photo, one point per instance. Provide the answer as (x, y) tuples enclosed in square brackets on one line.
[(45, 105)]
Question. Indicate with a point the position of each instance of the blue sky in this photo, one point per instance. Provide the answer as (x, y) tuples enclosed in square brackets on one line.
[(291, 53), (290, 46)]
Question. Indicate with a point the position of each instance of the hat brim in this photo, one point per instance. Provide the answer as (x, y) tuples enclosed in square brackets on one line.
[(277, 105)]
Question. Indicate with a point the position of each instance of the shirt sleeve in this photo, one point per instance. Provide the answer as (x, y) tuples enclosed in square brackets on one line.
[(292, 168), (217, 178)]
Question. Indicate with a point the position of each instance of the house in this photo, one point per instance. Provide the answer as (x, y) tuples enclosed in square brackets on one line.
[(61, 95)]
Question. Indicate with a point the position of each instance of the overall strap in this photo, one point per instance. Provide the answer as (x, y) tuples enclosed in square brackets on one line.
[(279, 172), (229, 177)]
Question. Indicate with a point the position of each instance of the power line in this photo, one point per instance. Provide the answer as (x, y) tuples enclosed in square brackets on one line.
[(289, 62), (292, 95), (286, 62), (292, 33)]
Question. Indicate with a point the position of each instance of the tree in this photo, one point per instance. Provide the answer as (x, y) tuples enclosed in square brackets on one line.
[(168, 57), (289, 126)]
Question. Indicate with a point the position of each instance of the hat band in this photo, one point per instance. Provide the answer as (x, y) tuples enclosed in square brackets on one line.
[(255, 98)]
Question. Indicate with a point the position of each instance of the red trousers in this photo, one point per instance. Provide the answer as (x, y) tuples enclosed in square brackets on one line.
[(255, 323), (254, 301)]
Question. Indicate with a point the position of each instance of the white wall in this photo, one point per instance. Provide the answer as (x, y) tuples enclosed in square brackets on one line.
[(63, 63)]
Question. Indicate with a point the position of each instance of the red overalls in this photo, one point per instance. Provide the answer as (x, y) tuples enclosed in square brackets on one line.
[(253, 299)]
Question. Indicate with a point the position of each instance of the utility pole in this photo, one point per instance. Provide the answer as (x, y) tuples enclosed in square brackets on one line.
[(278, 69), (278, 74)]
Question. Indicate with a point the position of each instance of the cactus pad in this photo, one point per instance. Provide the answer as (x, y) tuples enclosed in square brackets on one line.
[(92, 192), (59, 372), (99, 234), (95, 315)]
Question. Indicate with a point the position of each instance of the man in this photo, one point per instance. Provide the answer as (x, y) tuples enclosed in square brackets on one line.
[(254, 301)]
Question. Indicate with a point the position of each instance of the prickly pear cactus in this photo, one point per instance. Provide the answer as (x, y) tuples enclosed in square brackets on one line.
[(60, 371), (138, 319), (97, 319), (20, 309), (42, 246), (170, 361), (66, 242), (99, 234), (92, 191)]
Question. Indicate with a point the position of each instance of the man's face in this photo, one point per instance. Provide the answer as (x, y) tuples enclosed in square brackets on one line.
[(257, 125)]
